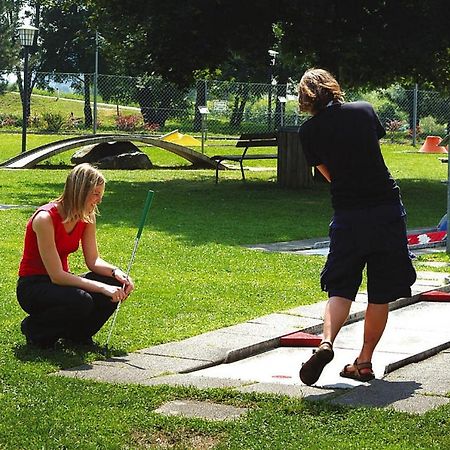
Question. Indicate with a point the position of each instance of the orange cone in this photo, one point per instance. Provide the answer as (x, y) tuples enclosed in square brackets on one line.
[(431, 145)]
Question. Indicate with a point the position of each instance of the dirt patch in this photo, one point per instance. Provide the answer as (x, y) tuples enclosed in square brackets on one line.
[(184, 439)]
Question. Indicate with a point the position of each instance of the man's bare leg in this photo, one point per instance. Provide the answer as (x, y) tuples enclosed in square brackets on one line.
[(336, 313), (374, 326)]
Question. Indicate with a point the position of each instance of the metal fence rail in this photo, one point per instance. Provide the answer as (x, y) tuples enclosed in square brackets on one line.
[(65, 102)]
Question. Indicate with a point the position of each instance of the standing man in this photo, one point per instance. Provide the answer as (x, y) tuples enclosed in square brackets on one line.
[(369, 223)]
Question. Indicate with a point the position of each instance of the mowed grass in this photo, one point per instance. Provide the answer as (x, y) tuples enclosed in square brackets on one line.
[(192, 275)]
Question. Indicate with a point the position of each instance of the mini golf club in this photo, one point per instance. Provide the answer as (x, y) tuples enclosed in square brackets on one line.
[(148, 202)]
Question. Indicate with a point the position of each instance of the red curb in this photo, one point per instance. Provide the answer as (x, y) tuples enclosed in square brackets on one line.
[(300, 339), (435, 296)]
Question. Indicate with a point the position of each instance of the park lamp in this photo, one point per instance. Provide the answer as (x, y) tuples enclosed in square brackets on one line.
[(273, 54), (26, 35)]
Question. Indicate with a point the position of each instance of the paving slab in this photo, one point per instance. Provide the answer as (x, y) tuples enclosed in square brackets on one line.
[(202, 410), (305, 392), (266, 330), (133, 368), (431, 374), (210, 346), (287, 322), (430, 275), (186, 379), (397, 395)]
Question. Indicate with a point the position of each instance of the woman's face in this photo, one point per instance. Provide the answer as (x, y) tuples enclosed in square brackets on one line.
[(95, 197)]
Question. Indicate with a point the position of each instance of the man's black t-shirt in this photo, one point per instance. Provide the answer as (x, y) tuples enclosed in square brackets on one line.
[(345, 138)]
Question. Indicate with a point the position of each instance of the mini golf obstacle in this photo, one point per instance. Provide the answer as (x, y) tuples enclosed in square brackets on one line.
[(433, 144), (30, 158), (435, 296), (434, 237)]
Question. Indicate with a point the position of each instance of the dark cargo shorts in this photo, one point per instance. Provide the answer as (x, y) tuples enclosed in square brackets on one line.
[(373, 237)]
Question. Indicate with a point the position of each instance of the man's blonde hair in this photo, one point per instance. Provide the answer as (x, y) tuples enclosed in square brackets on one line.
[(80, 182), (316, 89)]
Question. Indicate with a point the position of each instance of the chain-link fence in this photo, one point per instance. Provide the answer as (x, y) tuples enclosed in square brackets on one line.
[(86, 103)]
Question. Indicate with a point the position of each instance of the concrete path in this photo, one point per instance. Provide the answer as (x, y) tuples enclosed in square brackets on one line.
[(247, 356)]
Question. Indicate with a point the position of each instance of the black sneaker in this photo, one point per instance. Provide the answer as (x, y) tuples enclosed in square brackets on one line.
[(43, 344)]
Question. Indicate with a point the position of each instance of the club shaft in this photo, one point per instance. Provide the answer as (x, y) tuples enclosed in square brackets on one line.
[(147, 205)]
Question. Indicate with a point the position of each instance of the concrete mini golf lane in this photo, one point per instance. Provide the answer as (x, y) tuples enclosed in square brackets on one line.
[(412, 334)]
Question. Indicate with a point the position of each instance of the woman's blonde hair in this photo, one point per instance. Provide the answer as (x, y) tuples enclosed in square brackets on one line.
[(316, 89), (80, 182)]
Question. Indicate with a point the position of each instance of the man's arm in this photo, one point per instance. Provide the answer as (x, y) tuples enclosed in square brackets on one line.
[(323, 169)]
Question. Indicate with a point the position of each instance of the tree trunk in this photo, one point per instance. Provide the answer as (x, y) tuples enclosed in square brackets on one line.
[(240, 102), (155, 106)]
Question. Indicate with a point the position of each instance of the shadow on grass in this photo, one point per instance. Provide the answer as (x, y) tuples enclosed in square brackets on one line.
[(197, 211), (65, 355), (377, 394)]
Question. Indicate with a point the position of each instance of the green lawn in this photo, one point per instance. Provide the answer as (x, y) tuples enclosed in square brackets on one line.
[(192, 275)]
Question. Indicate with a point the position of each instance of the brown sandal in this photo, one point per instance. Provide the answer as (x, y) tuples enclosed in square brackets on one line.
[(312, 369), (355, 373)]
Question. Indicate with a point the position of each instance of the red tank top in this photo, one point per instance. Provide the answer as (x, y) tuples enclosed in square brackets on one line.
[(66, 243)]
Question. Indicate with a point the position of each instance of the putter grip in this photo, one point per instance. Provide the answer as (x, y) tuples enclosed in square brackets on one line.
[(148, 202)]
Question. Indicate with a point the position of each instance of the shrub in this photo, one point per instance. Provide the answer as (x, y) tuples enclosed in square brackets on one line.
[(53, 121), (151, 127), (128, 123), (35, 121), (9, 120), (393, 127), (430, 127)]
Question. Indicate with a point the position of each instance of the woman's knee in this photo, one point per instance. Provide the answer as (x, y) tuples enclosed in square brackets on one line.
[(80, 304)]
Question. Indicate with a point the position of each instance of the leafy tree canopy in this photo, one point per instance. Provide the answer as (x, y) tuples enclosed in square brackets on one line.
[(366, 42), (9, 21)]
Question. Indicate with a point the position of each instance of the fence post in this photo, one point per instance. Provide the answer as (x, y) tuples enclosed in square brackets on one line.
[(94, 125), (447, 245), (201, 99), (414, 128)]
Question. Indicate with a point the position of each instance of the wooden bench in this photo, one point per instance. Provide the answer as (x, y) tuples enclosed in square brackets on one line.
[(247, 141)]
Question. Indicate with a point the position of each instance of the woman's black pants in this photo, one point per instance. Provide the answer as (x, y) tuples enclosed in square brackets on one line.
[(62, 311)]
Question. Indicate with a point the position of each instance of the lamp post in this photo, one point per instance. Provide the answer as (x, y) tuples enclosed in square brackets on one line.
[(94, 127), (273, 55), (26, 36)]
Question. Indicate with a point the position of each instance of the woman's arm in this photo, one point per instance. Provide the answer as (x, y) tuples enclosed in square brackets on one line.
[(98, 265), (323, 169), (43, 227)]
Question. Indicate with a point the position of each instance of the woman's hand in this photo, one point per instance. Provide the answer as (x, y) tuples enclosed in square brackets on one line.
[(116, 293), (127, 282)]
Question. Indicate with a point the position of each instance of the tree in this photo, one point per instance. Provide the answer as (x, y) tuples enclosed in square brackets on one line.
[(372, 42), (177, 39), (365, 42), (68, 46), (9, 48)]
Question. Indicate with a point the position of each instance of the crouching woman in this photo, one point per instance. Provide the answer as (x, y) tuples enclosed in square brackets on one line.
[(59, 303)]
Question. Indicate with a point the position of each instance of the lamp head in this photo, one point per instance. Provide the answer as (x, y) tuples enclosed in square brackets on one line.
[(26, 35)]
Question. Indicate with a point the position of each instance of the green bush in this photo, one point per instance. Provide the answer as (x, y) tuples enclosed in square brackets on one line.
[(53, 121), (430, 127)]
